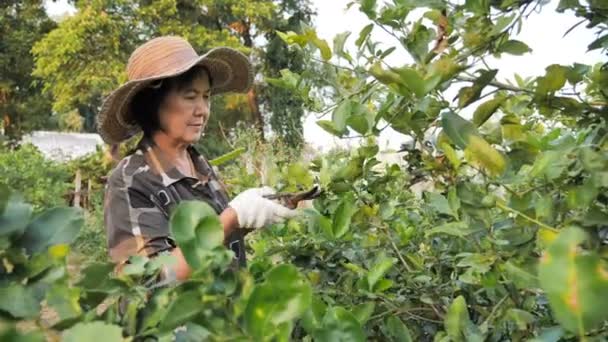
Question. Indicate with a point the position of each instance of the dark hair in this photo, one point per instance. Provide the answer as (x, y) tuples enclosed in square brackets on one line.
[(145, 104)]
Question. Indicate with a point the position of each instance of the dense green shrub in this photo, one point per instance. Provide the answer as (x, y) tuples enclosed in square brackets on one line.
[(42, 182)]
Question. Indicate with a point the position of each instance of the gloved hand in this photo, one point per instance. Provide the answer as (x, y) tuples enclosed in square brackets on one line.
[(255, 211)]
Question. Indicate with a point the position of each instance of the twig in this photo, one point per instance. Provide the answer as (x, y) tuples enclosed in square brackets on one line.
[(332, 64), (517, 212), (498, 85), (486, 321), (394, 246), (224, 136)]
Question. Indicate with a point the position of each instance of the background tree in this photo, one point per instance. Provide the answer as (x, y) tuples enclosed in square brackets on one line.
[(285, 110), (22, 106), (84, 58)]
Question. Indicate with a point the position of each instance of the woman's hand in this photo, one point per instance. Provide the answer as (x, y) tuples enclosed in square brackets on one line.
[(254, 211)]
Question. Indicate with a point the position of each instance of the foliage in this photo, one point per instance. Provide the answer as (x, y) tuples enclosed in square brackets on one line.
[(45, 183), (22, 107), (42, 182), (33, 251), (218, 302), (523, 178), (70, 70), (286, 111)]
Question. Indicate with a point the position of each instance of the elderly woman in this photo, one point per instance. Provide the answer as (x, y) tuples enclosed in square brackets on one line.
[(167, 97)]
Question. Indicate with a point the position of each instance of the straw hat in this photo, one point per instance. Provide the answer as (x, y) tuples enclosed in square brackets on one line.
[(229, 70)]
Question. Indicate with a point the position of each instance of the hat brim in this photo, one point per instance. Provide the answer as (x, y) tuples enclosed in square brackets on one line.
[(229, 70)]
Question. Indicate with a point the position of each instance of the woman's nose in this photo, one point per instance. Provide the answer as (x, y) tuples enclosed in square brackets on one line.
[(202, 108)]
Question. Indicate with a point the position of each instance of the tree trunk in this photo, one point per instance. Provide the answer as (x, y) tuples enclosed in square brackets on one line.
[(254, 106), (255, 111)]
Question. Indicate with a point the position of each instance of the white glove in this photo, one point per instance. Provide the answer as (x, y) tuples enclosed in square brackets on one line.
[(255, 211)]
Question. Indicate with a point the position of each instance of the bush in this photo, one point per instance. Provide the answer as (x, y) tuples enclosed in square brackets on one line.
[(42, 182)]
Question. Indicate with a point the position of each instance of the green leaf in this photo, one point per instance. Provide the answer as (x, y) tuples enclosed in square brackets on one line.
[(323, 47), (359, 123), (457, 129), (544, 208), (439, 203), (502, 23), (468, 95), (136, 266), (549, 164), (457, 323), (450, 153), (197, 230), (514, 47), (364, 311), (329, 127), (12, 334), (339, 41), (52, 227), (446, 67), (460, 229), (387, 52), (575, 281), (383, 285), (368, 7), (15, 216), (92, 332), (577, 72), (64, 301), (553, 334), (326, 226), (182, 309), (416, 83), (95, 278), (283, 297), (567, 4), (478, 6), (418, 40), (192, 333), (342, 217), (397, 331), (341, 114), (554, 79), (387, 77), (486, 109), (599, 43), (297, 174), (364, 34), (223, 159), (339, 325), (521, 318), (582, 196), (19, 301), (380, 268), (312, 318), (482, 153), (520, 277), (454, 201)]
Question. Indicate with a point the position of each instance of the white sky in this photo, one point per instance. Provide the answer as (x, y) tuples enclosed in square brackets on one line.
[(543, 32)]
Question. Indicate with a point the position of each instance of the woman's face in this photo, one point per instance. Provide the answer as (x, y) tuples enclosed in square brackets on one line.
[(184, 113)]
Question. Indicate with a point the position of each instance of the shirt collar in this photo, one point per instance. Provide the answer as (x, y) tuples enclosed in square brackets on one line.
[(168, 171)]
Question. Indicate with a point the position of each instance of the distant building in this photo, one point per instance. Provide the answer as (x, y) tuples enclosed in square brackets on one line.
[(61, 146)]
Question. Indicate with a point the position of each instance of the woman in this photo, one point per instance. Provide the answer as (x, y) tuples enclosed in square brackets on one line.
[(167, 97)]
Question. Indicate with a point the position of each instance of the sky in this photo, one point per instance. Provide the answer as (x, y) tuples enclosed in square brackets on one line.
[(543, 32)]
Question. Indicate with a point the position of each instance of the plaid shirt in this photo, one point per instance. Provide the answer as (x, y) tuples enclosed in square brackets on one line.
[(142, 191)]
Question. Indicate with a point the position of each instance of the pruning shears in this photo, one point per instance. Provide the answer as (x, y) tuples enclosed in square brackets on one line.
[(291, 199)]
